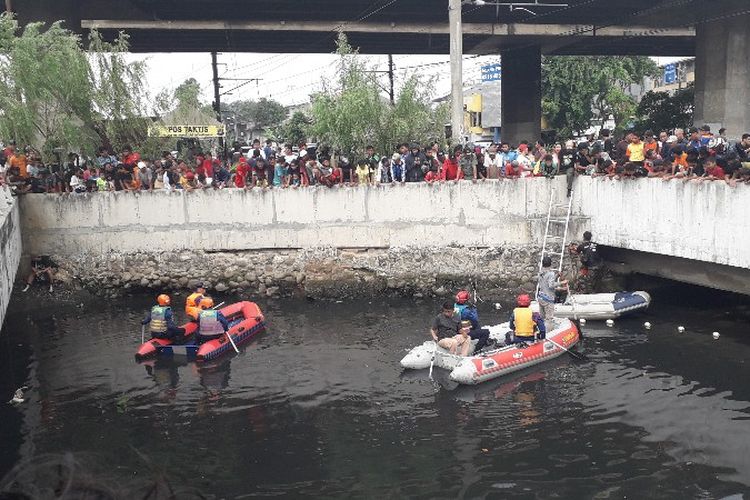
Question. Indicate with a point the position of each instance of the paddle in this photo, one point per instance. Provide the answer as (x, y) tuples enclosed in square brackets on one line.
[(572, 353), (143, 333), (432, 361), (227, 333)]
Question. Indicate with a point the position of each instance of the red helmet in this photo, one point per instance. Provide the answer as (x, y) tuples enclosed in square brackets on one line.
[(523, 300), (163, 300), (462, 297)]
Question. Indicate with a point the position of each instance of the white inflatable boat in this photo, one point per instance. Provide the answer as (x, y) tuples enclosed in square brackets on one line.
[(487, 365), (600, 305)]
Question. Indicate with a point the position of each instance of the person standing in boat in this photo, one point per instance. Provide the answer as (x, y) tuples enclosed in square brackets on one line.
[(161, 320), (467, 311), (525, 325), (211, 323), (192, 303), (548, 287), (590, 273)]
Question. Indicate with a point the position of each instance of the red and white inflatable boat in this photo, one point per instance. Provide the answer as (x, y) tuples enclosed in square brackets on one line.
[(245, 320), (495, 363)]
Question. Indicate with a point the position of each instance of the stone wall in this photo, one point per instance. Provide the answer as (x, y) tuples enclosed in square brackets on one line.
[(350, 241), (10, 247)]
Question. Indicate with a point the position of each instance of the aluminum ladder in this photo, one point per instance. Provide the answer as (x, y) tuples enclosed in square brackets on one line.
[(549, 240)]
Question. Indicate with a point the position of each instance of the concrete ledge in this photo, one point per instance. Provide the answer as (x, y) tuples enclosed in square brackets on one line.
[(10, 243)]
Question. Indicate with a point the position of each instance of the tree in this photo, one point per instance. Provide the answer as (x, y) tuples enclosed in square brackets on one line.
[(579, 91), (54, 94), (294, 130), (262, 114), (662, 111), (351, 113)]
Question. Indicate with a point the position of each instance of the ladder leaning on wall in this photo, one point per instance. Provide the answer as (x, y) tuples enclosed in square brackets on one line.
[(551, 239)]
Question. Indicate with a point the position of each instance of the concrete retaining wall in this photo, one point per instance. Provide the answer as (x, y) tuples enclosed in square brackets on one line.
[(10, 247), (423, 215)]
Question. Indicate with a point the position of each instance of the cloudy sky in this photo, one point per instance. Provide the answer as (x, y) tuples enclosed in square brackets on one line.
[(290, 78)]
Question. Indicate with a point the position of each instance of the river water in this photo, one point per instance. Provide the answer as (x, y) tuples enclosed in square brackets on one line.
[(319, 406)]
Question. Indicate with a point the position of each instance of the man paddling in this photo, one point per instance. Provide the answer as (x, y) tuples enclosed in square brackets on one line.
[(211, 323)]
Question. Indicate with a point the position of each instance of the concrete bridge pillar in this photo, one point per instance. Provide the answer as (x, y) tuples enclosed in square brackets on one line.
[(722, 75), (521, 97)]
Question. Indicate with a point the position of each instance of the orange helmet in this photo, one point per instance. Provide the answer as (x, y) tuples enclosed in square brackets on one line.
[(163, 299), (462, 297), (206, 303), (523, 300)]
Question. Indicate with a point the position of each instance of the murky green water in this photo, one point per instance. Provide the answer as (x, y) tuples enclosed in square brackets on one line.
[(319, 406)]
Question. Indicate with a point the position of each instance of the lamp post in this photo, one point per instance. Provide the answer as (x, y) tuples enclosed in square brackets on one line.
[(457, 49)]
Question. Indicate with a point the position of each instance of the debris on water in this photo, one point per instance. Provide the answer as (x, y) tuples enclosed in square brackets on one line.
[(681, 329), (647, 325), (610, 322), (339, 301), (498, 306), (485, 450), (504, 486), (582, 321), (18, 396), (716, 335)]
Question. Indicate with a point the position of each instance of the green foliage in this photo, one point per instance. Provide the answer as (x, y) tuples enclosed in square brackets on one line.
[(293, 131), (55, 94), (265, 114), (662, 111), (351, 113), (577, 91)]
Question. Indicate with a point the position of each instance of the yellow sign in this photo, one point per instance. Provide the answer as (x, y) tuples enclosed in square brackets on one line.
[(186, 131)]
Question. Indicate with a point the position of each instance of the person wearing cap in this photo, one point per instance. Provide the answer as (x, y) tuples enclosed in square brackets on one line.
[(525, 325), (161, 320), (193, 300), (145, 177)]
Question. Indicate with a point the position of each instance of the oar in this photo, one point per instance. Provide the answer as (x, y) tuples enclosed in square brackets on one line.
[(432, 361), (227, 333), (574, 354), (143, 333)]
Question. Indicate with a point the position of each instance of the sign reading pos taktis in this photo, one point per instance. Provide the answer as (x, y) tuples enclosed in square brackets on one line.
[(492, 72), (190, 131)]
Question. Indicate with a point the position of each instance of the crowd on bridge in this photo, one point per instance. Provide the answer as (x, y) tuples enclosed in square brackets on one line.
[(698, 156)]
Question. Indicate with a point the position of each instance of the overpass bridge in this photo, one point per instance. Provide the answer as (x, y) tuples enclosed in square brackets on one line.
[(716, 32)]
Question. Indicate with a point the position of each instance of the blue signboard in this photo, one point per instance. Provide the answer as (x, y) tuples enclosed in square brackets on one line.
[(670, 73), (491, 72)]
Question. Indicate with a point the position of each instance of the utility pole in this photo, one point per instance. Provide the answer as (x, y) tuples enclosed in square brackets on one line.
[(217, 95), (457, 49), (390, 79)]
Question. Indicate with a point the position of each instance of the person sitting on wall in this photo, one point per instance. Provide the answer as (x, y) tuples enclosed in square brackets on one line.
[(193, 301), (42, 271), (161, 320), (467, 311), (211, 323), (525, 324)]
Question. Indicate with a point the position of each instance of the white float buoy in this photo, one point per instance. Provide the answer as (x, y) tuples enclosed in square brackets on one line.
[(647, 325), (610, 322), (716, 335), (681, 329), (582, 321)]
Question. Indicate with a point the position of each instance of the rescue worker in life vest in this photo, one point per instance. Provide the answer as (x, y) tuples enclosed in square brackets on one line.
[(467, 311), (524, 323), (161, 320), (211, 323), (192, 308)]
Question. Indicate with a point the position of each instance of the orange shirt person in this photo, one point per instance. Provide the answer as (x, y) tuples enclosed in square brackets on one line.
[(192, 303), (19, 160)]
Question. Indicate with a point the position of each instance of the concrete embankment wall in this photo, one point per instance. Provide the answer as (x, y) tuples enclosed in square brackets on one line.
[(414, 238), (418, 238), (10, 247)]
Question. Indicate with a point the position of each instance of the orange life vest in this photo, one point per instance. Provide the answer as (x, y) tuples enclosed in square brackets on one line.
[(523, 320), (191, 305)]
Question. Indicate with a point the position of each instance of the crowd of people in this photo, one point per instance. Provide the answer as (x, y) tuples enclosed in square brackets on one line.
[(700, 155)]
